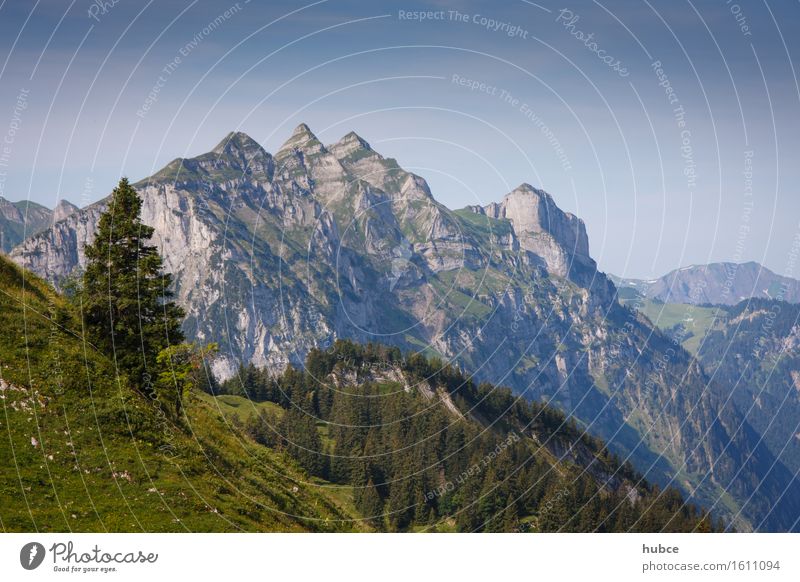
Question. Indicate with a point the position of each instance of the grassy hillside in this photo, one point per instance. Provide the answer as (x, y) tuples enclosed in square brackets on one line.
[(83, 452), (687, 323)]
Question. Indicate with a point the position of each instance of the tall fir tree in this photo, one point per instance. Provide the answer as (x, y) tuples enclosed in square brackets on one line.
[(126, 296)]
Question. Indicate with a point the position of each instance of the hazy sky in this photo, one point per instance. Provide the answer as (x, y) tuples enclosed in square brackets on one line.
[(692, 161)]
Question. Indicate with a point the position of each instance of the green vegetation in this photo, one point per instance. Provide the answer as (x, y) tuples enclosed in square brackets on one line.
[(753, 347), (687, 323), (113, 436), (483, 225), (84, 451), (425, 449)]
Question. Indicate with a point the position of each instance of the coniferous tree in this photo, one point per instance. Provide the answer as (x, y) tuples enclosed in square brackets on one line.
[(371, 505), (126, 297), (510, 516)]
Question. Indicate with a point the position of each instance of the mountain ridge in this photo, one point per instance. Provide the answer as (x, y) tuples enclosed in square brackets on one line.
[(723, 283)]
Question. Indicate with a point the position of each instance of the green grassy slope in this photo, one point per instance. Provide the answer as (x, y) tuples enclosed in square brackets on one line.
[(689, 323), (80, 451)]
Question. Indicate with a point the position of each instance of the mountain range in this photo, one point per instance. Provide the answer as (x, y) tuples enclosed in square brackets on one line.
[(275, 255), (716, 284)]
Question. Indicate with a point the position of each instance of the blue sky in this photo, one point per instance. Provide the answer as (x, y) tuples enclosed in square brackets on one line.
[(657, 189)]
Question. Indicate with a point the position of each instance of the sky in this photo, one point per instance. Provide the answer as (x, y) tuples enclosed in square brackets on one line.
[(669, 127)]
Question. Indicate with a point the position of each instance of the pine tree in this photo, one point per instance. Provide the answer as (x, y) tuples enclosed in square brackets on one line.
[(126, 299), (371, 505), (511, 516)]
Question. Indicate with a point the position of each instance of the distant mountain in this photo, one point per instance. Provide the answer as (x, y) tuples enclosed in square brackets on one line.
[(717, 284), (274, 256), (19, 220)]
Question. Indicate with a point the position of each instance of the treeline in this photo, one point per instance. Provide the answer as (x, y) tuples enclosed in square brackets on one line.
[(425, 447)]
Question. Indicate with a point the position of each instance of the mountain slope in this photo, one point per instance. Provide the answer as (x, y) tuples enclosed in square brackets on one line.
[(274, 256), (755, 348), (425, 448), (86, 453), (83, 452), (716, 284)]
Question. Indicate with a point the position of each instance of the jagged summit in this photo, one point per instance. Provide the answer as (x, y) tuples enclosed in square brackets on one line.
[(303, 129), (526, 188), (22, 219), (349, 144), (302, 140), (273, 258), (63, 209), (236, 142), (544, 229)]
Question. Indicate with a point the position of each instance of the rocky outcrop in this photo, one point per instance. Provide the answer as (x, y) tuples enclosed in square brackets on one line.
[(544, 229), (57, 252), (63, 209)]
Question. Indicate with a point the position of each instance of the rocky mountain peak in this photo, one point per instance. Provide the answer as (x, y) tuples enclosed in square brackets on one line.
[(237, 151), (279, 262), (63, 209), (303, 141), (544, 229), (718, 284), (9, 211), (349, 145), (237, 143)]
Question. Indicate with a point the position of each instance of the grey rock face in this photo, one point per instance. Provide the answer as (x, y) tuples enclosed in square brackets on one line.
[(63, 209), (544, 229)]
